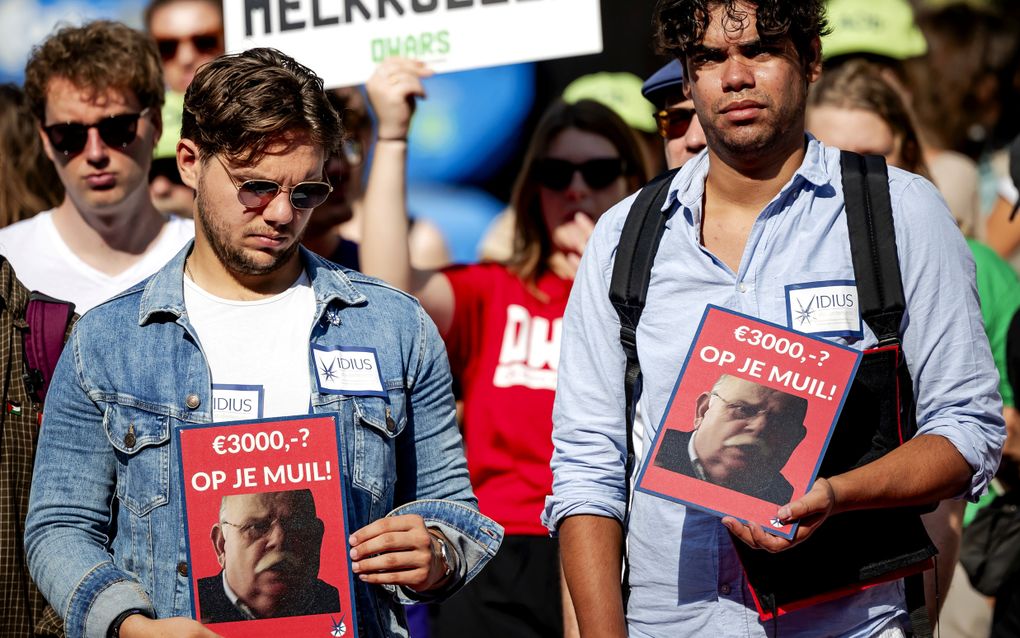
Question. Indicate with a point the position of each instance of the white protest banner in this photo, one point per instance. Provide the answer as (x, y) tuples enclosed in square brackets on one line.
[(344, 40)]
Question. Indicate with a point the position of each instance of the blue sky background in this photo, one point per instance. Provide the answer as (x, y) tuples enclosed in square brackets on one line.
[(24, 23)]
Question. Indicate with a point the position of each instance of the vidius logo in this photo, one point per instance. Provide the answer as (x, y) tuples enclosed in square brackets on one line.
[(828, 308)]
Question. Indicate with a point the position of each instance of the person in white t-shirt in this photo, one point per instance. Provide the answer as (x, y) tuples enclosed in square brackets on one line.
[(97, 91)]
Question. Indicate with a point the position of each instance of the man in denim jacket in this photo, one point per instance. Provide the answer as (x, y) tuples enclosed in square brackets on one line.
[(105, 536)]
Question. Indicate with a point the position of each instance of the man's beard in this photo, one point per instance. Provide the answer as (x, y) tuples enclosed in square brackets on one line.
[(757, 138), (232, 257)]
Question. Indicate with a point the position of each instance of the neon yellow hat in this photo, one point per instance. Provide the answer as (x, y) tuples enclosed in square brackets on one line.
[(173, 112), (619, 91), (878, 27)]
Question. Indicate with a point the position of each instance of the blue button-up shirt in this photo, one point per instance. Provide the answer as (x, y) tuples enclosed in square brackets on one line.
[(105, 531), (685, 576)]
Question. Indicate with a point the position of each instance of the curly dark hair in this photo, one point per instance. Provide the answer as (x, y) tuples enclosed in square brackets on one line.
[(681, 24), (239, 104)]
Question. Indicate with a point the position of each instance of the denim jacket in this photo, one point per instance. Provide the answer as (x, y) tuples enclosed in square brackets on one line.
[(105, 529)]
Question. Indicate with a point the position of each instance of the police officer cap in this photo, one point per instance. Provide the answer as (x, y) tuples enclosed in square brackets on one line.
[(664, 83)]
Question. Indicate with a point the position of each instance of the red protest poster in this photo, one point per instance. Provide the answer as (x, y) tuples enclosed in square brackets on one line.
[(264, 509), (749, 419)]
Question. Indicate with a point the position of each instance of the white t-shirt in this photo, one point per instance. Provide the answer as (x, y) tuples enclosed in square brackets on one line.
[(258, 351), (45, 263)]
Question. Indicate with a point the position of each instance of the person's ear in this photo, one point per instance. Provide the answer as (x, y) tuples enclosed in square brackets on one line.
[(813, 68), (218, 543), (189, 162), (701, 407)]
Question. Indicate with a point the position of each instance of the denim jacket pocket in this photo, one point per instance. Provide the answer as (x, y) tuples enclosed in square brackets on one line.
[(141, 440), (379, 422)]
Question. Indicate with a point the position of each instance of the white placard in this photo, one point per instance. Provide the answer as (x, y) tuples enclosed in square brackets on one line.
[(344, 40)]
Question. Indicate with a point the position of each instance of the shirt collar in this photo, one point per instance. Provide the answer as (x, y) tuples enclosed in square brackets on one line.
[(164, 291), (245, 610), (688, 186), (699, 469)]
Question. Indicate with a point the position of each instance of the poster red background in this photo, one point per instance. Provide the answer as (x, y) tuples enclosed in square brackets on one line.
[(321, 446), (831, 363)]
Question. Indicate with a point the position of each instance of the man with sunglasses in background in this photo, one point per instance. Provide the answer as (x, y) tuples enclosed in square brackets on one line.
[(188, 33), (677, 122), (246, 309), (97, 91)]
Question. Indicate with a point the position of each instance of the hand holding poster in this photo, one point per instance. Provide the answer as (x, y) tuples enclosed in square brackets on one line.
[(265, 512), (749, 419)]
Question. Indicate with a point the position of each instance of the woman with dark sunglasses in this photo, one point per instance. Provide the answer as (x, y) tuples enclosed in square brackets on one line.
[(501, 324)]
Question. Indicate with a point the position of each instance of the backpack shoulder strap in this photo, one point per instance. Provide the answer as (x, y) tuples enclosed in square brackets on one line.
[(48, 320), (632, 269), (873, 244)]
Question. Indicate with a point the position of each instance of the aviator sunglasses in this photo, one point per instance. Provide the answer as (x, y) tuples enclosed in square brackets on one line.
[(204, 43), (116, 131), (556, 174), (257, 193), (674, 121)]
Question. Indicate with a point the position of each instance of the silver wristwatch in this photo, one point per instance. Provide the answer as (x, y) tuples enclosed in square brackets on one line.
[(444, 553)]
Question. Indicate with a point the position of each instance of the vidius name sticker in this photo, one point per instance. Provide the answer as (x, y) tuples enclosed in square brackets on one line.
[(348, 370), (232, 402), (824, 308)]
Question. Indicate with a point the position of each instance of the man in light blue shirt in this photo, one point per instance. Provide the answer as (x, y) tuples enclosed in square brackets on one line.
[(760, 210)]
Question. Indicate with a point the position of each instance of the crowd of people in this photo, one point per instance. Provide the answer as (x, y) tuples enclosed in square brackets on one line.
[(218, 221)]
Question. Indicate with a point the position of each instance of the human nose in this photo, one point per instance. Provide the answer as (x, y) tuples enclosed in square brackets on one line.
[(279, 210), (695, 138), (186, 52), (737, 75), (96, 150), (577, 188)]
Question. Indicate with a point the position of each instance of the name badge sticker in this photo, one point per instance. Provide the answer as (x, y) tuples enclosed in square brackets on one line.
[(824, 308), (348, 370), (233, 402)]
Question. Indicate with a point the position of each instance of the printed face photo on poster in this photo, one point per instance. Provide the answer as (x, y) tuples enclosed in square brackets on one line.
[(268, 547), (743, 435)]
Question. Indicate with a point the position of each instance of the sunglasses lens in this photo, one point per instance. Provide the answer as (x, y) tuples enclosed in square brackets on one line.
[(673, 123), (67, 138), (554, 174), (206, 43), (599, 173), (119, 130), (167, 49), (309, 194), (257, 193)]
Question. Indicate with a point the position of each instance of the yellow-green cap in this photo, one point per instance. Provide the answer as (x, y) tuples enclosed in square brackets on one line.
[(173, 112), (619, 91), (877, 27)]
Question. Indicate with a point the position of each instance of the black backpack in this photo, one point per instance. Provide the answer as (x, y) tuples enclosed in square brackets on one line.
[(853, 549)]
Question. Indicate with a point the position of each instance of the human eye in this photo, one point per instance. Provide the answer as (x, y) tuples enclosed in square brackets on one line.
[(257, 529), (744, 411)]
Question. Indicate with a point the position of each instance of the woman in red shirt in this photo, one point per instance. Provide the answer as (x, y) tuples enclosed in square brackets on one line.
[(501, 323)]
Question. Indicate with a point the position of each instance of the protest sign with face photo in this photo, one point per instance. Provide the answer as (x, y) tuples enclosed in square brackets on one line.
[(267, 536), (749, 419)]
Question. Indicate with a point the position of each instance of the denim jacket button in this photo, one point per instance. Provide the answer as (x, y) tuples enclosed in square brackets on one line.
[(182, 569), (192, 401), (129, 438), (391, 425)]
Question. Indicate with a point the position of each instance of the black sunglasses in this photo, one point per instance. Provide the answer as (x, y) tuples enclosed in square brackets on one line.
[(556, 174), (674, 121), (205, 43), (116, 131), (257, 193)]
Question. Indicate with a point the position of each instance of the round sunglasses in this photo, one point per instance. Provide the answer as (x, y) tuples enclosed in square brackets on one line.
[(116, 131), (257, 193), (556, 174)]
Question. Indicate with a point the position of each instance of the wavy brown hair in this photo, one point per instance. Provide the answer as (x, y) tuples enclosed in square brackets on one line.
[(858, 84), (679, 25), (97, 56), (239, 104), (30, 183), (532, 246)]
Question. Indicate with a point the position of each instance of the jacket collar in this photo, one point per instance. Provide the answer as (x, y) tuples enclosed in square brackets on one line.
[(163, 293)]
